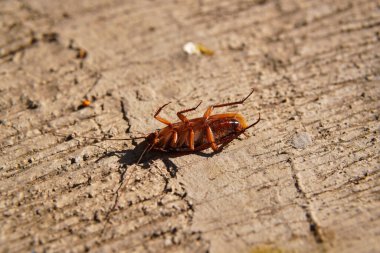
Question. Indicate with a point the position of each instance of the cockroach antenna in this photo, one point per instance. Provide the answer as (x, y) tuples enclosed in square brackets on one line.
[(147, 149), (102, 138)]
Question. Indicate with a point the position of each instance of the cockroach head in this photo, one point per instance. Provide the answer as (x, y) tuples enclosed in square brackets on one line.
[(152, 138)]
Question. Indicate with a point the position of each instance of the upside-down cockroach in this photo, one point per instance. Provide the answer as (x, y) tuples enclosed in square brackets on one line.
[(191, 135)]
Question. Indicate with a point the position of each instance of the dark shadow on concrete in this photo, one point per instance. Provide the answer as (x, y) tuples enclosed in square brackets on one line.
[(131, 156)]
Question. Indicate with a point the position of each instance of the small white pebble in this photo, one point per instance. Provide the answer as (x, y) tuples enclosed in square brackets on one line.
[(301, 140), (191, 48)]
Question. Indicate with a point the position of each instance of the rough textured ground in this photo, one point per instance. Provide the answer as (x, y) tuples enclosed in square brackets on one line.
[(307, 179)]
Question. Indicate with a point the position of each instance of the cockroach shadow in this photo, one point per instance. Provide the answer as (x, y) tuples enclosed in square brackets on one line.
[(131, 156)]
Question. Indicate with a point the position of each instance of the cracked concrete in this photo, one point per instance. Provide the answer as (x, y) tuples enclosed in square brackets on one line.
[(305, 180), (313, 224)]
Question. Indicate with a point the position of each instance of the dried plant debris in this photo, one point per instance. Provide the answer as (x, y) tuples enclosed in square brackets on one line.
[(81, 53), (85, 103), (197, 49)]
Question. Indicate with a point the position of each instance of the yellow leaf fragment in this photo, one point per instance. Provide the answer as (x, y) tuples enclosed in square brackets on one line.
[(204, 50), (197, 48)]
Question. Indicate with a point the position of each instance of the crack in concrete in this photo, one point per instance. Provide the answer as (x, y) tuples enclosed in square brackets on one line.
[(171, 167), (118, 195), (315, 229), (97, 76), (32, 41), (125, 116), (100, 127)]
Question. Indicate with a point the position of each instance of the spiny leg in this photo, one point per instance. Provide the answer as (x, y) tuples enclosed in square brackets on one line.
[(191, 139), (219, 148), (182, 117), (174, 139), (162, 120), (253, 124), (210, 108), (210, 138)]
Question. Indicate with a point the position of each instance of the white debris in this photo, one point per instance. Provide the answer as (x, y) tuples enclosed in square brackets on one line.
[(302, 140), (191, 48), (197, 48)]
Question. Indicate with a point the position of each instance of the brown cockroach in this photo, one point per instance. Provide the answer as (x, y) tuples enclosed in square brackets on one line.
[(191, 135)]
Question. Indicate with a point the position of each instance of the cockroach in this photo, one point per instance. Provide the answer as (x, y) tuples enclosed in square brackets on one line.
[(192, 135)]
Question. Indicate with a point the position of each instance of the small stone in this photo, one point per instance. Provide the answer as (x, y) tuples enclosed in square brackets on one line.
[(75, 160), (85, 157), (81, 53), (50, 37), (191, 48), (70, 137), (90, 195), (301, 140), (32, 104), (97, 216)]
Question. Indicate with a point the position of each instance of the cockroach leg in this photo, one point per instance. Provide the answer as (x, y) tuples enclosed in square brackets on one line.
[(147, 149), (191, 139), (174, 139), (210, 138), (207, 113), (225, 143), (253, 124), (162, 120), (182, 117), (234, 103), (210, 108)]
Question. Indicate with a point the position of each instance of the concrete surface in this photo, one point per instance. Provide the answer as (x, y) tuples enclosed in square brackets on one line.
[(305, 180)]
